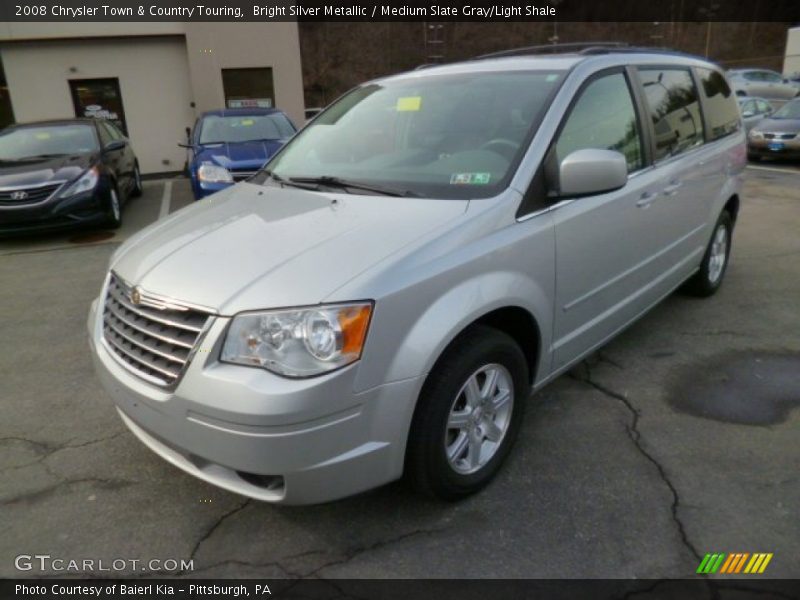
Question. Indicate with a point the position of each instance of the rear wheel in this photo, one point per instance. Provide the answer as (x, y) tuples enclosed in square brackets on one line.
[(468, 415), (715, 261)]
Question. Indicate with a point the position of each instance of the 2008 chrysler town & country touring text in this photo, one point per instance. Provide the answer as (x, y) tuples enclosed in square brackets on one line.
[(384, 295)]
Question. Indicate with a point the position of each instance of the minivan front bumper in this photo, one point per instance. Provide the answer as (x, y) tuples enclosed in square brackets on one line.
[(292, 441)]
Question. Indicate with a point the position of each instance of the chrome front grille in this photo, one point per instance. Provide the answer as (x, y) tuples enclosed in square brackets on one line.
[(779, 136), (153, 337)]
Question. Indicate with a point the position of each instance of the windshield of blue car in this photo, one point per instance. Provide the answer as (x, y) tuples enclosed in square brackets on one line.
[(46, 141), (244, 128), (431, 135), (790, 110)]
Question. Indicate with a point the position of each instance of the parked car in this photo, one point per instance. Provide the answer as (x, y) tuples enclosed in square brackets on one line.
[(763, 83), (778, 135), (754, 110), (382, 298), (230, 145), (56, 174)]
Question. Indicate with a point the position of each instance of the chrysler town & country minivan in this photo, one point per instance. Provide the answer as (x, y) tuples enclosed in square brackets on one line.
[(380, 300)]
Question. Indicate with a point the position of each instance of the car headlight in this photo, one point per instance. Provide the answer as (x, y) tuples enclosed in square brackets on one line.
[(755, 135), (299, 342), (86, 182), (210, 173)]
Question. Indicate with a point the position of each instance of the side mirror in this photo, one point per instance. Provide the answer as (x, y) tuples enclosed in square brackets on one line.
[(748, 113), (592, 171), (114, 145), (182, 145)]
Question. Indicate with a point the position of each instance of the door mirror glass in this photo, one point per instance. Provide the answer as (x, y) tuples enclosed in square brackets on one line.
[(114, 145), (592, 171)]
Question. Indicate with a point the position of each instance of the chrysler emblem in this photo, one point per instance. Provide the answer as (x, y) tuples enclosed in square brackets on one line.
[(136, 296), (19, 195)]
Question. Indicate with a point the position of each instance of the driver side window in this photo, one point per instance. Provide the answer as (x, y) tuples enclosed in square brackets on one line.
[(604, 117)]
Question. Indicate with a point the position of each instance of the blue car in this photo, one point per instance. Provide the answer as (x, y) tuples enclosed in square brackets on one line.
[(231, 144)]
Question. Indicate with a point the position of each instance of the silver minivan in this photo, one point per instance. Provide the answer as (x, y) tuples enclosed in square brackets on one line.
[(383, 297)]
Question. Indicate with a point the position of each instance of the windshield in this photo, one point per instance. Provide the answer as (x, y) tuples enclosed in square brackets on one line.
[(440, 136), (47, 140), (244, 128), (790, 110)]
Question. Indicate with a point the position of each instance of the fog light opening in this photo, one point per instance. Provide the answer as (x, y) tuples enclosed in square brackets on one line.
[(272, 483)]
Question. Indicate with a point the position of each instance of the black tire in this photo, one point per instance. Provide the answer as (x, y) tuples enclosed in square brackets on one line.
[(113, 215), (428, 468), (137, 188), (704, 283)]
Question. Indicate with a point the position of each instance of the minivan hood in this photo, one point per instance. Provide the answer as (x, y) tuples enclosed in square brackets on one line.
[(241, 155), (251, 247), (42, 172)]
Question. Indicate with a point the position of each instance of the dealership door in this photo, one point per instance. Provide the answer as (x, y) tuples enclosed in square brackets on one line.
[(99, 98)]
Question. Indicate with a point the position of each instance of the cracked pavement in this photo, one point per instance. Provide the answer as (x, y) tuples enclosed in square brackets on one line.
[(677, 439)]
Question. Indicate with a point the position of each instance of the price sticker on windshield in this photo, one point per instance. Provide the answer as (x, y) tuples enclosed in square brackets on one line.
[(409, 103)]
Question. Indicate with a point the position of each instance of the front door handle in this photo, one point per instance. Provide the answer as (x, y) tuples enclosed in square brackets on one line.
[(646, 199), (672, 188)]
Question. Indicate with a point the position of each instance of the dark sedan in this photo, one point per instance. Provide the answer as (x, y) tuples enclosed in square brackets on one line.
[(778, 135), (56, 174)]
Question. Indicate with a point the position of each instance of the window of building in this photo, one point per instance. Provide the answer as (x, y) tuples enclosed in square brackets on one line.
[(99, 99), (722, 116), (248, 88), (603, 117), (675, 110)]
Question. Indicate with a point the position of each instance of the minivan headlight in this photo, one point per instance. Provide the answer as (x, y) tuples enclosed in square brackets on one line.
[(298, 342), (84, 183), (756, 135), (210, 173)]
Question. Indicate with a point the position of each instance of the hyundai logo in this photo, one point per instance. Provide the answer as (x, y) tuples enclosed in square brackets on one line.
[(19, 195)]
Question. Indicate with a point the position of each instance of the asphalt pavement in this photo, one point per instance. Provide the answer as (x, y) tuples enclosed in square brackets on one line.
[(678, 439)]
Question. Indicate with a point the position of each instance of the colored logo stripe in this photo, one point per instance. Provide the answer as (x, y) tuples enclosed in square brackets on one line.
[(734, 563)]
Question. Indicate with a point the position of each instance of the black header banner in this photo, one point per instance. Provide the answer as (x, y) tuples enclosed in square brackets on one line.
[(404, 10)]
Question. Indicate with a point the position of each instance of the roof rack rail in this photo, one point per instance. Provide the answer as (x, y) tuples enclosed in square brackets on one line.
[(554, 49)]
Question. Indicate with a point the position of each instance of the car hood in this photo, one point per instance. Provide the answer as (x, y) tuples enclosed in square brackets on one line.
[(242, 155), (251, 247), (779, 125), (41, 172)]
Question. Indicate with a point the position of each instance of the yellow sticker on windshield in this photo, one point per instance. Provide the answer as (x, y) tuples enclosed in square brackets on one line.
[(247, 122), (44, 135), (409, 103)]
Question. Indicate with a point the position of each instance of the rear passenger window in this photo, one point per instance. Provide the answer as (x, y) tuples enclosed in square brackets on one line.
[(603, 117), (721, 115), (675, 109)]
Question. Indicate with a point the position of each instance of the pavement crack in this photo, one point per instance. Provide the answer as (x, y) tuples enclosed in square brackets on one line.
[(632, 429), (214, 526), (48, 491), (46, 450), (357, 551)]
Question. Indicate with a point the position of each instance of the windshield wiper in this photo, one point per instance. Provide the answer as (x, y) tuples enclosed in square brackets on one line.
[(280, 180), (338, 182)]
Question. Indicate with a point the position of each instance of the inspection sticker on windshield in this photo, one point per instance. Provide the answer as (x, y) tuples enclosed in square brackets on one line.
[(470, 178), (409, 103)]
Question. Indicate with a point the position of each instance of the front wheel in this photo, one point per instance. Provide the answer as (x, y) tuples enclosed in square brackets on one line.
[(715, 261), (468, 415), (137, 189), (114, 210)]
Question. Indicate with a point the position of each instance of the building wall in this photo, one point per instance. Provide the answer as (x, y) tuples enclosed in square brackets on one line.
[(791, 64), (168, 73), (153, 79)]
